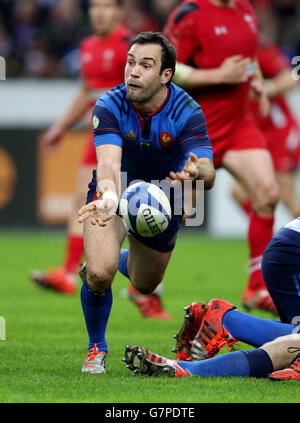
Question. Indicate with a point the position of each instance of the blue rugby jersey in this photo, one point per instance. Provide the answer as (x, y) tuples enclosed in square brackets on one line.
[(154, 144)]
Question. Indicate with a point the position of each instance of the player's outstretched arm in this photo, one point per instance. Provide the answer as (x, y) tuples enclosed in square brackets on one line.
[(195, 169)]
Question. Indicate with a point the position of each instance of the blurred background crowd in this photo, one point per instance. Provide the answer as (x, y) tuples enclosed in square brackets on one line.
[(40, 38)]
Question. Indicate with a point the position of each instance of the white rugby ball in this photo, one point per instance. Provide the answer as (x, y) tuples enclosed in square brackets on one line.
[(146, 209)]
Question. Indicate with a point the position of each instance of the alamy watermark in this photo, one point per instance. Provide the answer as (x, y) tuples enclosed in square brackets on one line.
[(296, 69), (2, 68), (186, 198)]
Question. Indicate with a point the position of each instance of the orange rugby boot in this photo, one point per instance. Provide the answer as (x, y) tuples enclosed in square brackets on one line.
[(292, 372), (258, 298), (143, 362), (188, 331), (150, 306), (56, 279), (212, 335)]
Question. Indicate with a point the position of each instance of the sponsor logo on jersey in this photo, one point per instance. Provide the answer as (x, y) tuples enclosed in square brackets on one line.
[(165, 139), (249, 20), (95, 122), (220, 30), (130, 136)]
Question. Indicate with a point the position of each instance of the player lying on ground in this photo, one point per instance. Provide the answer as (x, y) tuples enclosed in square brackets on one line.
[(277, 358), (150, 129), (208, 327)]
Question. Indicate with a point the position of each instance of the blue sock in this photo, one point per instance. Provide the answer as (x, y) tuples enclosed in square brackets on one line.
[(123, 262), (254, 330), (96, 310), (255, 363)]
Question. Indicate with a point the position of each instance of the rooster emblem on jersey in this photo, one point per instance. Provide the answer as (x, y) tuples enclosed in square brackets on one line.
[(166, 140)]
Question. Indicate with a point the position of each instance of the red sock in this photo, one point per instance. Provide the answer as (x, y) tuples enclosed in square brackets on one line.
[(246, 206), (74, 253), (260, 232)]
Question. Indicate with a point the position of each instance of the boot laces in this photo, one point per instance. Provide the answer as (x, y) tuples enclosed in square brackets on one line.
[(92, 353)]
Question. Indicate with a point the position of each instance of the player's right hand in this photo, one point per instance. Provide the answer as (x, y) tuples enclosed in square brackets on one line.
[(51, 138), (235, 70), (100, 211)]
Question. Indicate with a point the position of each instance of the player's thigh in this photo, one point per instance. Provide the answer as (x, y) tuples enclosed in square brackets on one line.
[(84, 176), (239, 192), (146, 266), (254, 169), (102, 250)]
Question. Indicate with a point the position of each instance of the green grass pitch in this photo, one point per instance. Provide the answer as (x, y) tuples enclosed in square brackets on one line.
[(46, 338)]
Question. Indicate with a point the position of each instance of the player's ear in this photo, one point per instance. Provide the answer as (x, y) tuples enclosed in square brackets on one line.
[(166, 75)]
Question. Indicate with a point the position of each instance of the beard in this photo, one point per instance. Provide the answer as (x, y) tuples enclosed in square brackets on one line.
[(141, 94)]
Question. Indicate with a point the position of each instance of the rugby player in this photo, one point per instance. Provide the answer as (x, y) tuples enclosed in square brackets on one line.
[(278, 360), (209, 327), (131, 125), (102, 61), (218, 39), (281, 131)]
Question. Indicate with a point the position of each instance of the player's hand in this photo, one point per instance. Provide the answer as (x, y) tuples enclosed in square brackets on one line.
[(100, 211), (51, 138), (259, 92), (235, 70), (190, 171)]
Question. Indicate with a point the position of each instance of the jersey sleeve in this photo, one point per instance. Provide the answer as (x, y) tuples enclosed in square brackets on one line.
[(181, 30), (194, 137), (106, 128), (271, 60)]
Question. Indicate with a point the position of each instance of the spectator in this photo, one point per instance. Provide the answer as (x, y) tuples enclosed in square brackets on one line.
[(40, 37)]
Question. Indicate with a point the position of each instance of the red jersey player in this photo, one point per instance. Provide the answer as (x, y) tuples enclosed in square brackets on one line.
[(280, 128), (102, 59), (218, 38)]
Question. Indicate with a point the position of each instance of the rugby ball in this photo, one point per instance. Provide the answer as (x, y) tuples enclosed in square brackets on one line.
[(146, 209)]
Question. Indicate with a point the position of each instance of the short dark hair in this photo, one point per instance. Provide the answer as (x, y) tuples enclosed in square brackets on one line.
[(168, 57)]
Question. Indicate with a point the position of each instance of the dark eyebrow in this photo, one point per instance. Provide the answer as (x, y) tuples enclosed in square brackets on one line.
[(144, 58)]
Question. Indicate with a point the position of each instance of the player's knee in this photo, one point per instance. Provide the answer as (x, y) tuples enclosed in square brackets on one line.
[(269, 196), (100, 279)]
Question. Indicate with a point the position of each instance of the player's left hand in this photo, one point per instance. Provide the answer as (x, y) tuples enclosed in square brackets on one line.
[(260, 94), (190, 171), (100, 211)]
